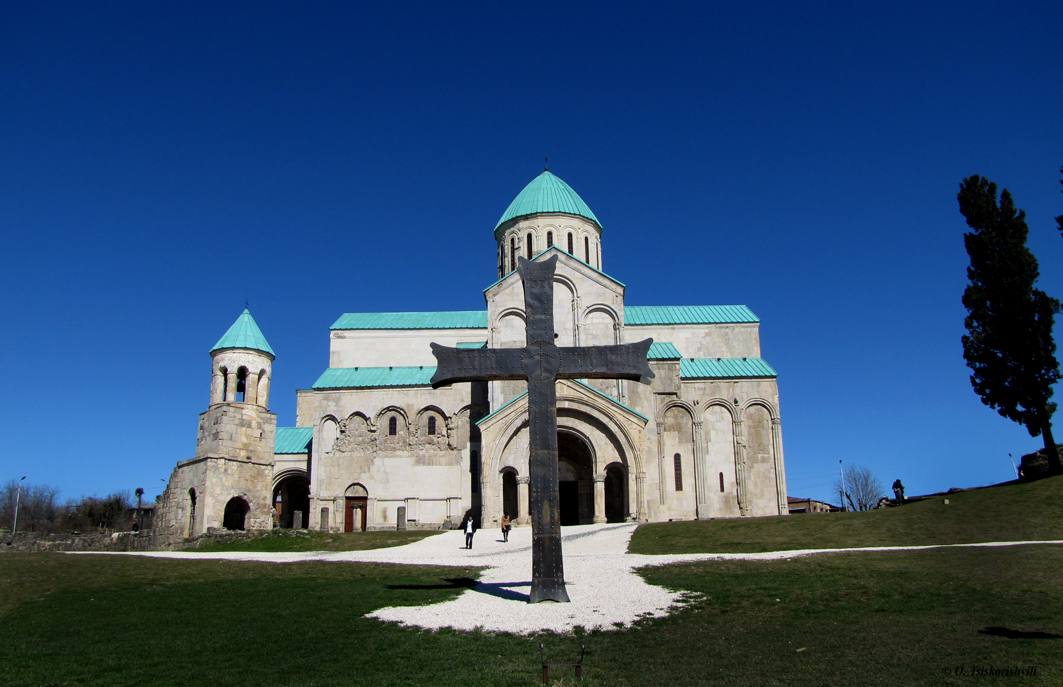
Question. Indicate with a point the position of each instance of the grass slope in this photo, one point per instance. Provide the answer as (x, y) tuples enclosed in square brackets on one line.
[(913, 618), (1009, 512)]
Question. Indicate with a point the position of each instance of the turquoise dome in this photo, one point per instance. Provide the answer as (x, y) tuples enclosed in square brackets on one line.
[(547, 193)]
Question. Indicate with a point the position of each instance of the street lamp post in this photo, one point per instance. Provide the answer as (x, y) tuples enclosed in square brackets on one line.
[(844, 495), (18, 497)]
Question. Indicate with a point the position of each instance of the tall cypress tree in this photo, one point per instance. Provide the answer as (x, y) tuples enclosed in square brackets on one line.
[(1009, 345)]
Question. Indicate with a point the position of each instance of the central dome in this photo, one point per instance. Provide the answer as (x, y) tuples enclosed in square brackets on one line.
[(547, 193)]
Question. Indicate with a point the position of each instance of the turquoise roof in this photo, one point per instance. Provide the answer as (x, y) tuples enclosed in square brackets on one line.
[(293, 439), (662, 350), (547, 193), (472, 344), (635, 315), (725, 368), (244, 334), (374, 377), (460, 319)]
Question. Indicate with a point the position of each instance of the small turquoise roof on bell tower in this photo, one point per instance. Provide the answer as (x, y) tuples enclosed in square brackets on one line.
[(244, 334)]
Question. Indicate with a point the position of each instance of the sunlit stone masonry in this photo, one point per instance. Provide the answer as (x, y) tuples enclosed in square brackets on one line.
[(377, 448)]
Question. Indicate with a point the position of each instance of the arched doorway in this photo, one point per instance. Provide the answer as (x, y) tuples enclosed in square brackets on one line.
[(575, 480), (291, 502), (615, 493), (235, 514), (356, 508), (509, 493)]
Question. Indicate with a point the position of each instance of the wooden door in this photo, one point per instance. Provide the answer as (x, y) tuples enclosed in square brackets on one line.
[(355, 516)]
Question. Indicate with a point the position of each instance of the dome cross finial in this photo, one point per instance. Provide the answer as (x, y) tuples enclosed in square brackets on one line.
[(546, 163)]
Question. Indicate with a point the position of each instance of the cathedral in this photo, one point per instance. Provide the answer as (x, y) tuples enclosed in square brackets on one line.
[(376, 447)]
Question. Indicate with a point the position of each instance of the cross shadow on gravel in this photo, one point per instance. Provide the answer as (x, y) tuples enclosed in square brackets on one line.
[(1017, 634), (503, 590)]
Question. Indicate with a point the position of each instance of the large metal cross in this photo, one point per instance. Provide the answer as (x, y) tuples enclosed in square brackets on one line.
[(542, 363)]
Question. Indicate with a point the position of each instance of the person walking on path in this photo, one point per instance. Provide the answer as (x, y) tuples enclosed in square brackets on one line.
[(469, 529), (505, 528)]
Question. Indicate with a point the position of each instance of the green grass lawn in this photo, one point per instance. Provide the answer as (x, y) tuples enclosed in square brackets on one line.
[(1010, 512), (303, 540), (889, 618)]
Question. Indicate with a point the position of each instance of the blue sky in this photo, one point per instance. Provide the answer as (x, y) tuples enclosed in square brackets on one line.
[(161, 163)]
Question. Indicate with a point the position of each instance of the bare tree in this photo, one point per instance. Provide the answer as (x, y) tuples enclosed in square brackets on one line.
[(862, 488)]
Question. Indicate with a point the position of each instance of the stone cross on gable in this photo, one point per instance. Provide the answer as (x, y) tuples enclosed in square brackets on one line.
[(542, 363)]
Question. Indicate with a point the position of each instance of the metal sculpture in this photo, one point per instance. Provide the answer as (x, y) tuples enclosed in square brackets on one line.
[(542, 363)]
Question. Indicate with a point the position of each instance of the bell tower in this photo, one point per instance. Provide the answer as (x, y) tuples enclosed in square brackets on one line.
[(228, 483)]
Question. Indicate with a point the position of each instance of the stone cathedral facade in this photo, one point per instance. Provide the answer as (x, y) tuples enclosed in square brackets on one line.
[(375, 447)]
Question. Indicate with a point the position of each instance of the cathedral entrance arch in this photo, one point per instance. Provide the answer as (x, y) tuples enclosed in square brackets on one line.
[(291, 501), (509, 493), (575, 470), (356, 508), (615, 493), (235, 514)]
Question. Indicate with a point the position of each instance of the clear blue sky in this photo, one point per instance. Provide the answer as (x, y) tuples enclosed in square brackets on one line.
[(161, 163)]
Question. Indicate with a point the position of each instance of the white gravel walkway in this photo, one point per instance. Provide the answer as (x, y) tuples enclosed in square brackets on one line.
[(604, 589)]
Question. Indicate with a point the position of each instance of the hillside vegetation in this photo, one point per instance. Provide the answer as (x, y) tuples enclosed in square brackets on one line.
[(1030, 511)]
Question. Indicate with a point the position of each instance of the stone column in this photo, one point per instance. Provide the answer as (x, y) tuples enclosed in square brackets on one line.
[(662, 476), (599, 498), (780, 469), (740, 464), (230, 387), (701, 485), (640, 497), (216, 383), (522, 500), (251, 388), (263, 391)]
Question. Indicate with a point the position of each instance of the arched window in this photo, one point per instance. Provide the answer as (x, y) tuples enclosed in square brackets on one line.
[(241, 384), (224, 384), (431, 425), (530, 246), (721, 482), (549, 239), (570, 251), (501, 260), (597, 255), (678, 472), (587, 250), (512, 253), (393, 426)]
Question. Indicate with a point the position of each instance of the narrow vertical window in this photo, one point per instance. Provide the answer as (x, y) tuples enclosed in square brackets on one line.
[(512, 254), (530, 254), (678, 472), (393, 426), (570, 243), (501, 260), (549, 239), (474, 468), (432, 426), (597, 255), (721, 482), (224, 384), (587, 250)]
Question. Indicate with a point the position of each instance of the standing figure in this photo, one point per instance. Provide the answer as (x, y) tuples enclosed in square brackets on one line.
[(469, 529), (505, 527), (898, 491)]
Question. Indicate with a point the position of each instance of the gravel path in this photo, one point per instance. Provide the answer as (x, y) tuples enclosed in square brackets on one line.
[(604, 589)]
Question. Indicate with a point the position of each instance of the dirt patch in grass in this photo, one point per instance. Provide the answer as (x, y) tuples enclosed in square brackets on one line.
[(1010, 512), (304, 540)]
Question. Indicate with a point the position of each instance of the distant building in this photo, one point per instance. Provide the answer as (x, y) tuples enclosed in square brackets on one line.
[(375, 444), (809, 506)]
